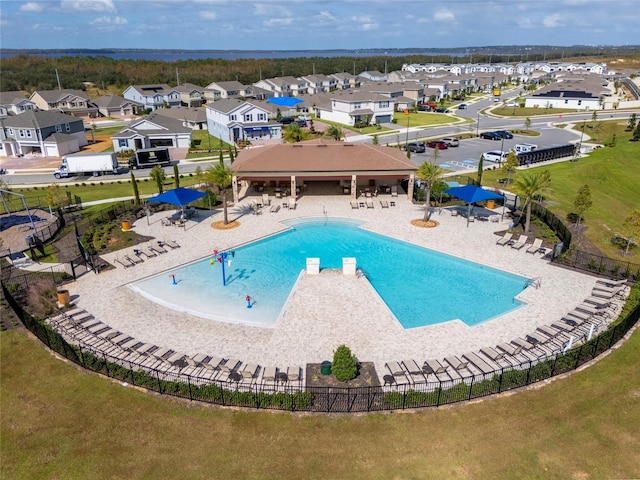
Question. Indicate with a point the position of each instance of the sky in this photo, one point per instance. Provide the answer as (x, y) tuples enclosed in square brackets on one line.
[(315, 24)]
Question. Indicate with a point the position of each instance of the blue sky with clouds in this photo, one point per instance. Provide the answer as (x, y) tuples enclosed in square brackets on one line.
[(315, 24)]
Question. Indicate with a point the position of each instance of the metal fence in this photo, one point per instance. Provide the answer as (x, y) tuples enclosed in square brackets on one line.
[(611, 267), (434, 393), (554, 223)]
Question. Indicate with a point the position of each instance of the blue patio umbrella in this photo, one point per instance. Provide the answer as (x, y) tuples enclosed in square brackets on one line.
[(471, 194), (178, 196)]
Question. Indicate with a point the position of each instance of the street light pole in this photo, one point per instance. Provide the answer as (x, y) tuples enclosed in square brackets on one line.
[(478, 125), (406, 141)]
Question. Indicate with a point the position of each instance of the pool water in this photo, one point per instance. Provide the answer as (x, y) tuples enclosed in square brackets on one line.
[(421, 287)]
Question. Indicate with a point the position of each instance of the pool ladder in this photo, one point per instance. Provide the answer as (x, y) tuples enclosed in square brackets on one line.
[(535, 282), (324, 212)]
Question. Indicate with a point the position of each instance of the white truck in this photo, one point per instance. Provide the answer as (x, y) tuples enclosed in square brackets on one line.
[(87, 164), (524, 147)]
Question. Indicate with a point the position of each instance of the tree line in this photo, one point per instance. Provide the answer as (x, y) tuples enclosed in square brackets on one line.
[(30, 73)]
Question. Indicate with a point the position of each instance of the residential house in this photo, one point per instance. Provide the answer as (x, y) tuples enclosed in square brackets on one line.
[(154, 96), (573, 92), (222, 90), (355, 108), (15, 103), (116, 106), (154, 130), (319, 83), (74, 102), (191, 95), (373, 76), (193, 118), (233, 120), (37, 132), (283, 86), (345, 81)]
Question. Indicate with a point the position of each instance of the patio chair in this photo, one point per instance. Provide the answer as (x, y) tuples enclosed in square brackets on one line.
[(275, 208), (414, 371), (265, 200), (505, 238), (369, 203), (384, 204), (478, 362), (456, 363), (134, 259), (172, 244), (434, 366), (354, 205), (292, 203), (454, 213), (126, 263), (535, 246), (394, 190), (158, 248), (611, 283), (520, 242)]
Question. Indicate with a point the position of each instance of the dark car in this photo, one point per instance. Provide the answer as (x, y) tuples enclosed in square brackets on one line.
[(415, 147), (439, 144), (301, 122), (441, 110), (504, 134), (490, 136), (462, 106), (286, 120)]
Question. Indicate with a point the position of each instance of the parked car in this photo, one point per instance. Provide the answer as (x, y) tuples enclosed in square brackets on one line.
[(286, 120), (451, 141), (424, 108), (462, 106), (439, 144), (415, 147), (490, 136), (441, 110), (504, 134), (301, 122), (512, 104), (495, 156)]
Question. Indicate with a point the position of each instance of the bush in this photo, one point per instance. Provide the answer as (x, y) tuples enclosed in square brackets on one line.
[(345, 365)]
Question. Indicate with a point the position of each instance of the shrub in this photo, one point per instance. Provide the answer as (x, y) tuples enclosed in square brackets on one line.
[(345, 365)]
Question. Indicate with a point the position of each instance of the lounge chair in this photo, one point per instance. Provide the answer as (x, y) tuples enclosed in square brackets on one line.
[(265, 200), (354, 205), (369, 203), (505, 238), (250, 371), (471, 218), (126, 263), (275, 208), (535, 246), (492, 353), (148, 252), (397, 373), (611, 283), (158, 249), (456, 363), (384, 204), (230, 365), (478, 362), (454, 213), (598, 302), (293, 373), (434, 366), (292, 203), (134, 259), (269, 374), (394, 190), (520, 242), (414, 371), (509, 349), (172, 244)]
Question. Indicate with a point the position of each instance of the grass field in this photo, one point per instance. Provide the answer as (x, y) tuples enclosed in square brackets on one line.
[(59, 422), (613, 176)]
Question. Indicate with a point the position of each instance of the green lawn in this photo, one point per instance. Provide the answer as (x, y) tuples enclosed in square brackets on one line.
[(60, 422), (613, 176), (529, 111), (423, 119)]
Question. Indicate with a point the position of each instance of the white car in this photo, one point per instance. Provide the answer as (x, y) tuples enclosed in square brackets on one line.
[(452, 141), (495, 156)]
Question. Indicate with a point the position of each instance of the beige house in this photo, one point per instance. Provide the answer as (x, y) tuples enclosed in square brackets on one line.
[(322, 166)]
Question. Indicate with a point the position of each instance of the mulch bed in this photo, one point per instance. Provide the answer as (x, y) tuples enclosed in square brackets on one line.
[(367, 377)]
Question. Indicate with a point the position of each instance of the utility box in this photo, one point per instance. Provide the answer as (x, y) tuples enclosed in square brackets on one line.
[(349, 266), (313, 266)]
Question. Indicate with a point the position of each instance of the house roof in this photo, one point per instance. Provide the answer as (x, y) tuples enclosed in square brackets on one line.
[(164, 125), (226, 86), (188, 88), (12, 98), (193, 114), (57, 95), (322, 157), (153, 89), (112, 101), (38, 119)]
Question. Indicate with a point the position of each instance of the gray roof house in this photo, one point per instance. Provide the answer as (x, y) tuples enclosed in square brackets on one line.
[(45, 133), (159, 95), (116, 106), (154, 130), (194, 118), (191, 95), (71, 101), (15, 103), (221, 90), (233, 120)]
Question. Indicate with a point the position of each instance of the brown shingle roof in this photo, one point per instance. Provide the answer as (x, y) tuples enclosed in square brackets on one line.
[(323, 156)]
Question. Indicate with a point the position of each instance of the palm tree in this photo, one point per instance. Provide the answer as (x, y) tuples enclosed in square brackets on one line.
[(222, 177), (429, 173), (531, 185), (158, 175), (293, 133), (334, 132)]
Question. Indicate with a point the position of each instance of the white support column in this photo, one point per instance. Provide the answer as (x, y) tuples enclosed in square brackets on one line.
[(354, 187), (412, 181), (234, 182), (293, 186)]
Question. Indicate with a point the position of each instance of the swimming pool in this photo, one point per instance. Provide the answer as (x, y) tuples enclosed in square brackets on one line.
[(420, 286)]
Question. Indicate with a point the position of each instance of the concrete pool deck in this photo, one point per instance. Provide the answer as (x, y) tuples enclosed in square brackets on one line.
[(329, 309)]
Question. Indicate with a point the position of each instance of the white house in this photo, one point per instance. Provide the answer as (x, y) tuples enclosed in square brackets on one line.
[(352, 108), (575, 92), (15, 103), (152, 131), (153, 96), (232, 120)]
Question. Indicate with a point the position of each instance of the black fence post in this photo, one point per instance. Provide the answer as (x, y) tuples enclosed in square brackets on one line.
[(471, 387), (189, 384)]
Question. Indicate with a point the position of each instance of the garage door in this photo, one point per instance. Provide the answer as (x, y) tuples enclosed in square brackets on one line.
[(383, 119)]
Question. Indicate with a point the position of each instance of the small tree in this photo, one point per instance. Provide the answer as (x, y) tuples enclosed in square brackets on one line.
[(176, 176), (636, 134), (480, 169), (55, 196), (510, 164), (232, 156), (199, 173), (158, 176), (136, 192), (334, 132), (345, 364), (375, 140), (531, 185), (527, 123), (631, 226), (582, 202), (633, 119), (221, 176), (429, 173), (293, 133)]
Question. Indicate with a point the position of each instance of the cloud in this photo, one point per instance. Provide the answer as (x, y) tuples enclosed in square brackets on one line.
[(109, 21), (208, 15), (278, 22), (270, 10), (444, 15), (32, 7), (88, 5), (553, 21), (325, 16)]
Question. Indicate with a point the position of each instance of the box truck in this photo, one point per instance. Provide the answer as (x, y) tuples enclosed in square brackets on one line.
[(524, 147), (87, 164), (150, 157)]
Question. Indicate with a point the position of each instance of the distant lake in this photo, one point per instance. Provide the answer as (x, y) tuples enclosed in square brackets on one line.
[(175, 55)]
